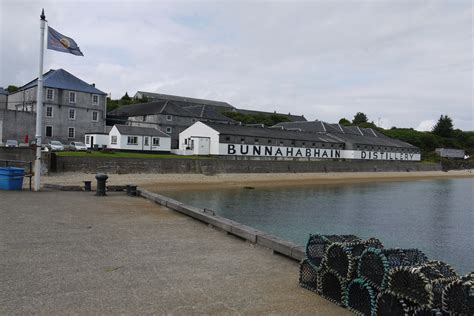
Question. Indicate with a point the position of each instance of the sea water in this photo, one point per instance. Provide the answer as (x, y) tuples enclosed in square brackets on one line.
[(436, 216)]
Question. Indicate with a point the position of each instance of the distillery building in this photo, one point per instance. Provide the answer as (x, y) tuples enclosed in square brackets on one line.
[(316, 141)]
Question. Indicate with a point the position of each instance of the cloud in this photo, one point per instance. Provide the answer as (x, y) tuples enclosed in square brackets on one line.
[(402, 62)]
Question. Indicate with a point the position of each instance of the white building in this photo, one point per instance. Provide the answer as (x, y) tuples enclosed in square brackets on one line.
[(206, 138), (125, 137), (99, 140)]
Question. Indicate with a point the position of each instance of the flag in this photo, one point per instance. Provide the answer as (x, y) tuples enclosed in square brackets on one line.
[(61, 43)]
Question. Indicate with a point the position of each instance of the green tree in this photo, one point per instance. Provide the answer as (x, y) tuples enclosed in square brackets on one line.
[(126, 97), (12, 89), (360, 118), (444, 127), (344, 122)]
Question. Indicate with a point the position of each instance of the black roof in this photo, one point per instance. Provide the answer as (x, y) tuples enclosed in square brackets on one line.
[(204, 112), (293, 118), (169, 97), (140, 131), (352, 134), (243, 130), (61, 79)]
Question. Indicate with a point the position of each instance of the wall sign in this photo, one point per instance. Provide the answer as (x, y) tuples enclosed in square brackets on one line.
[(316, 153)]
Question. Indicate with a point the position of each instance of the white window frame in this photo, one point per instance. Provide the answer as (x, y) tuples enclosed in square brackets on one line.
[(73, 133), (69, 97), (88, 139), (169, 130), (69, 114), (169, 117), (47, 94), (113, 139), (46, 131), (52, 112), (97, 116), (95, 103), (157, 143), (135, 138)]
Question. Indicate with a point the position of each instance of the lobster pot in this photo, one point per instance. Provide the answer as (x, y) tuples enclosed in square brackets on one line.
[(417, 284), (360, 297), (317, 245), (387, 304), (375, 264), (332, 287), (458, 296), (414, 257), (424, 311), (309, 277), (344, 257)]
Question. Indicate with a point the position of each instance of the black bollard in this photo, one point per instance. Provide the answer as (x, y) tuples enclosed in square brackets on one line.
[(101, 180), (87, 185), (131, 190)]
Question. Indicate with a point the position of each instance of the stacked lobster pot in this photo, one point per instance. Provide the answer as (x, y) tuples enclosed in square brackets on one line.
[(330, 264), (370, 280), (422, 285), (458, 296)]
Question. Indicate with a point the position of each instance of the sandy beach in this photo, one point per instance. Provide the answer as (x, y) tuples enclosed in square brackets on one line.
[(173, 182)]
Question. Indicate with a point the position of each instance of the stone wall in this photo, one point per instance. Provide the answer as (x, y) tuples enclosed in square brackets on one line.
[(214, 166)]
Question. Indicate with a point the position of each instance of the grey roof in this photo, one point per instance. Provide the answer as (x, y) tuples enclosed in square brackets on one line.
[(168, 107), (242, 130), (140, 131), (160, 96), (352, 134), (3, 91), (61, 79), (293, 118)]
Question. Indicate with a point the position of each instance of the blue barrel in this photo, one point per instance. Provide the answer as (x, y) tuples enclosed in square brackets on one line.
[(11, 178)]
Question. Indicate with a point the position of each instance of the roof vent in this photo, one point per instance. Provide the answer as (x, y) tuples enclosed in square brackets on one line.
[(93, 85)]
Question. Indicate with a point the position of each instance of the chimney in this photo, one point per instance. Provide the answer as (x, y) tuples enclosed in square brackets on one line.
[(93, 85)]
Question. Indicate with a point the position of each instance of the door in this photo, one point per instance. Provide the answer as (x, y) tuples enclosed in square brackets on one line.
[(92, 142), (203, 146)]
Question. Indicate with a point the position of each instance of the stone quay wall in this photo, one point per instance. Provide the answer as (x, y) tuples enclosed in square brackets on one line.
[(215, 166)]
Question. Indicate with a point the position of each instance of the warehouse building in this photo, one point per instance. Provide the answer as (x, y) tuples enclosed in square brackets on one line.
[(320, 140)]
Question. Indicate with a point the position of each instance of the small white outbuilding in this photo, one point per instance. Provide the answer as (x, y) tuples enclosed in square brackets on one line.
[(125, 137)]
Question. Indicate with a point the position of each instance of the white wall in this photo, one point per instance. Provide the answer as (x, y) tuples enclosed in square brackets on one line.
[(122, 142), (99, 139), (200, 129)]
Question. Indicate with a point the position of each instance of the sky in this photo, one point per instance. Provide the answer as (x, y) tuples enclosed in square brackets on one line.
[(403, 63)]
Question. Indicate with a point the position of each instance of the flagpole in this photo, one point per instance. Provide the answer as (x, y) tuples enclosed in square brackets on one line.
[(39, 107)]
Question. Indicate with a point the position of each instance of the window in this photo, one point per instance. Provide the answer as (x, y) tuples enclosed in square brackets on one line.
[(49, 94), (156, 141), (95, 99), (72, 97), (71, 132), (72, 114), (169, 118), (113, 140), (49, 111), (88, 139), (169, 129), (49, 131), (132, 140), (146, 141), (95, 116), (256, 141)]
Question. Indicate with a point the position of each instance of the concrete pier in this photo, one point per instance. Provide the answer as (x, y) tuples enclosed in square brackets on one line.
[(71, 252)]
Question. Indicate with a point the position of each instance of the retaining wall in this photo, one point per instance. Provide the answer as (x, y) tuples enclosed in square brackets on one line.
[(214, 166)]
